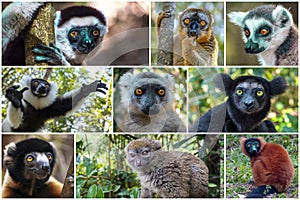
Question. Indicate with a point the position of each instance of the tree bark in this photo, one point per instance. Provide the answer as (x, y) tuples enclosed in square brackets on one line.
[(68, 189), (41, 31), (165, 37)]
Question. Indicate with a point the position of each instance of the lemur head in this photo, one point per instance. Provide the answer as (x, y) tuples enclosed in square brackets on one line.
[(252, 146), (147, 93), (250, 94), (197, 23), (41, 93), (264, 27), (30, 159), (78, 30)]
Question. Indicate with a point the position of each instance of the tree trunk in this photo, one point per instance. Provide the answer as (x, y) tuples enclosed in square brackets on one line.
[(165, 37), (41, 31), (68, 189)]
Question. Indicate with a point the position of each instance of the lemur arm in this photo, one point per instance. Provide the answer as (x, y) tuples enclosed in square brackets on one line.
[(72, 100), (15, 97)]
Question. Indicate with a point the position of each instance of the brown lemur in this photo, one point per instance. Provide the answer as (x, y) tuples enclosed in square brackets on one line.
[(194, 42), (147, 104), (168, 174)]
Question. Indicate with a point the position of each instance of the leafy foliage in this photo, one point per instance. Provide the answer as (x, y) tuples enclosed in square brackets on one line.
[(102, 171), (94, 115)]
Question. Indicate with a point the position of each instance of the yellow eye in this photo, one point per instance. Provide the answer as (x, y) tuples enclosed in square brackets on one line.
[(138, 92), (264, 31), (247, 32), (202, 23), (187, 21), (29, 158), (239, 92), (259, 93), (47, 86), (49, 156), (161, 92), (96, 33), (73, 33), (35, 83)]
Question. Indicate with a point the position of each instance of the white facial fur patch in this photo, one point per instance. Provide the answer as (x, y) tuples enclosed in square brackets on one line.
[(36, 102), (63, 43), (237, 17)]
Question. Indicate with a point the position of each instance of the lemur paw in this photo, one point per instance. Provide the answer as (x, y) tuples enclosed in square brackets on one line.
[(96, 86), (50, 54), (15, 96), (101, 87)]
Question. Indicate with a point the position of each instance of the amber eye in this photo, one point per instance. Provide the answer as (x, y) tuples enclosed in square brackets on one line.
[(259, 93), (161, 92), (257, 145), (96, 33), (49, 156), (249, 145), (138, 92), (187, 21), (247, 32), (264, 31), (35, 83), (239, 92), (47, 86), (29, 158), (73, 33), (202, 23)]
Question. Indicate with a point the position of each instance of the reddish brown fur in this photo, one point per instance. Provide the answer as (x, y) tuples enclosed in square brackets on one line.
[(271, 166)]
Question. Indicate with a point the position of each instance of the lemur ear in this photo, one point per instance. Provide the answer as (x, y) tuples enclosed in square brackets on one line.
[(278, 86), (237, 17)]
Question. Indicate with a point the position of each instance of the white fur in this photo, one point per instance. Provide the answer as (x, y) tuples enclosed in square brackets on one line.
[(237, 17), (36, 102), (15, 18), (63, 43), (277, 15)]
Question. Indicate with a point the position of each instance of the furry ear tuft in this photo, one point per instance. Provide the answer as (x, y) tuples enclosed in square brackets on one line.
[(278, 86), (237, 17)]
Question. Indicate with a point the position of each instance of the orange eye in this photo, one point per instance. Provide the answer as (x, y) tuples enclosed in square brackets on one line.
[(29, 158), (161, 92), (73, 33), (187, 21), (96, 33), (247, 32), (202, 23), (138, 92), (49, 156), (264, 31)]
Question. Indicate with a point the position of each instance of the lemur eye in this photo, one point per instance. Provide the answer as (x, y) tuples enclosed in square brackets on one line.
[(161, 92), (187, 21), (29, 158), (239, 92), (138, 92), (247, 32), (202, 23), (49, 156), (73, 33), (132, 155), (35, 83), (264, 31), (259, 93), (248, 145), (47, 86), (145, 153), (96, 33)]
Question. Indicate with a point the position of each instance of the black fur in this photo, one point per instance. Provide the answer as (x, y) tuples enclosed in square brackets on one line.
[(228, 117), (34, 119), (261, 192), (16, 168)]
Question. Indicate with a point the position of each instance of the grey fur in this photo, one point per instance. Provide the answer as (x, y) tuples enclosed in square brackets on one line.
[(280, 45), (169, 174), (129, 115)]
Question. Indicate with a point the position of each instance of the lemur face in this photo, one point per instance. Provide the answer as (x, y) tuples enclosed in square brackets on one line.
[(263, 28), (249, 96), (37, 165), (252, 146), (40, 87), (195, 22)]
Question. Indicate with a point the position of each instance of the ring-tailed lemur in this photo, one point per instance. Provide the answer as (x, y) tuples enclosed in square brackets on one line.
[(270, 33)]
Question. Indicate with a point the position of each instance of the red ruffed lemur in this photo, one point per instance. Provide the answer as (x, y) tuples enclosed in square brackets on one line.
[(271, 166)]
